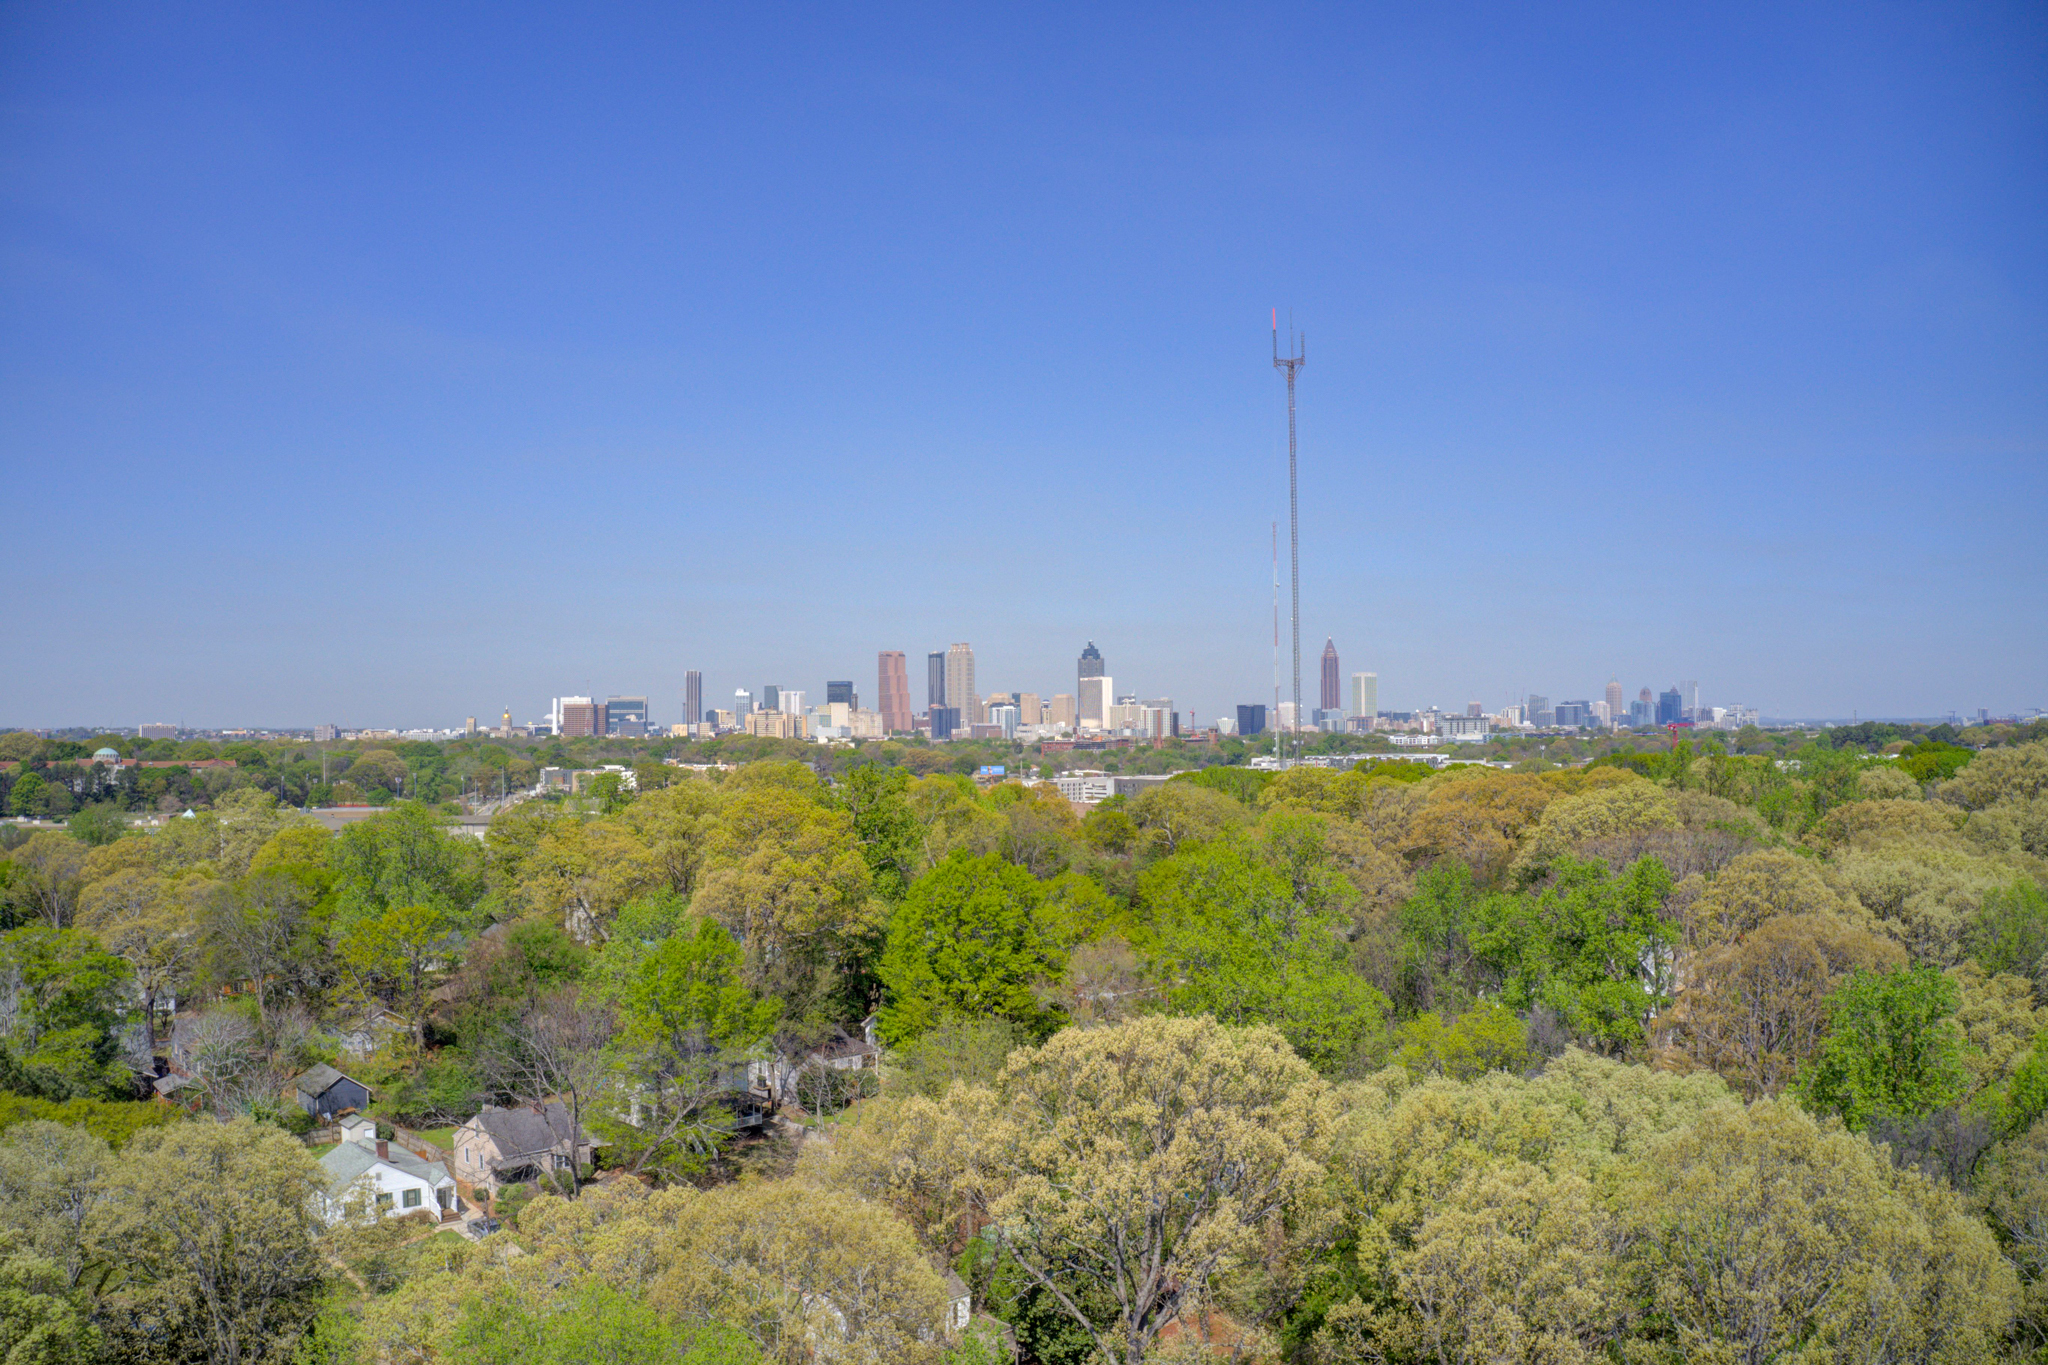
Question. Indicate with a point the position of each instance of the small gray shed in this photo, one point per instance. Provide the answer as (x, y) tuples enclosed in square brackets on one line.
[(324, 1092)]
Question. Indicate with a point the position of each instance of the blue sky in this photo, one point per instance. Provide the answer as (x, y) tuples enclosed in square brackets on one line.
[(390, 364)]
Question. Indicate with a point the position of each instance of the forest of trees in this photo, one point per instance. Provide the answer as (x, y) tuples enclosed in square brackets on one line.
[(1643, 1052), (55, 778)]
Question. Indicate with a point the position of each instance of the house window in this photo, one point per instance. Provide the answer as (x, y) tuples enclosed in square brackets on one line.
[(412, 1199), (383, 1200)]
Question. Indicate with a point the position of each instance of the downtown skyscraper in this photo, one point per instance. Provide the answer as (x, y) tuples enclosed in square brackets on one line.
[(892, 691), (1093, 687), (960, 691), (1333, 683)]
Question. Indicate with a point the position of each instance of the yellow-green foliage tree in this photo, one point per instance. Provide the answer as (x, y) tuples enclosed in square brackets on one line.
[(213, 1229), (1138, 1165), (1764, 1232)]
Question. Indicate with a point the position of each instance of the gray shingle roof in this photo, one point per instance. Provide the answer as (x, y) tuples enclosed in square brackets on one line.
[(521, 1131), (320, 1079), (346, 1164)]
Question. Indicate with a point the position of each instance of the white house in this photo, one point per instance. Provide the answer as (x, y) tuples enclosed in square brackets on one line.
[(388, 1179)]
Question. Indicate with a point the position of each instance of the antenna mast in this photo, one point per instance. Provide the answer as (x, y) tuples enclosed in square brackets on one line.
[(1296, 357), (1276, 641)]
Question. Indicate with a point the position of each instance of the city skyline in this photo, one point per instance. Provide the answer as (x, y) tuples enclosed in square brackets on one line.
[(350, 374), (959, 658)]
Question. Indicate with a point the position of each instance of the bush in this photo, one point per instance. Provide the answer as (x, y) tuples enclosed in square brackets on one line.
[(112, 1121), (445, 1089)]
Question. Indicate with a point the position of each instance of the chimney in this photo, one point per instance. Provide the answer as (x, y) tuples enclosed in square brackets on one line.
[(383, 1150)]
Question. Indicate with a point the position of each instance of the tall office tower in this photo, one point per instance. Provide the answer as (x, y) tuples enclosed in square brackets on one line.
[(960, 691), (1062, 710), (1670, 707), (581, 718), (1098, 694), (469, 728), (742, 702), (792, 701), (1333, 691), (944, 720), (1474, 709), (693, 698), (1689, 700), (771, 697), (841, 692), (1091, 662), (1365, 694), (934, 680), (1615, 706), (1251, 720), (625, 716), (1536, 711), (1029, 711), (893, 690)]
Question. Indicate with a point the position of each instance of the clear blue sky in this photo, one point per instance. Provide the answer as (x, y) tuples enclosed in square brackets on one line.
[(391, 363)]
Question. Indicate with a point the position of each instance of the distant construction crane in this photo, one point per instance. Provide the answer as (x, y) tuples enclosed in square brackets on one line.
[(1296, 357)]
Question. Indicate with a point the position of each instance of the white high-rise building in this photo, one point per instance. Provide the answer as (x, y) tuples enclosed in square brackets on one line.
[(792, 701), (1097, 696), (1365, 694), (960, 684)]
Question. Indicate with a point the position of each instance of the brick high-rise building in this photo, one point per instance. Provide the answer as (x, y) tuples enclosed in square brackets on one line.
[(1333, 686), (582, 718), (893, 691)]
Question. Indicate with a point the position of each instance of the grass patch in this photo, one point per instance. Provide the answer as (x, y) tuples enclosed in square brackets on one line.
[(443, 1138), (323, 1149)]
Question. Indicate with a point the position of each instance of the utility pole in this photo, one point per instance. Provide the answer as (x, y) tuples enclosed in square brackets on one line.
[(1276, 642), (1296, 357)]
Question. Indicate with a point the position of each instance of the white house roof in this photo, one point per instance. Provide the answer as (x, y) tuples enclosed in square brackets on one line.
[(346, 1164)]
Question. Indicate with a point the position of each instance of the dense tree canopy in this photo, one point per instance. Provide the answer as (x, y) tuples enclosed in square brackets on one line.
[(1724, 1048)]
